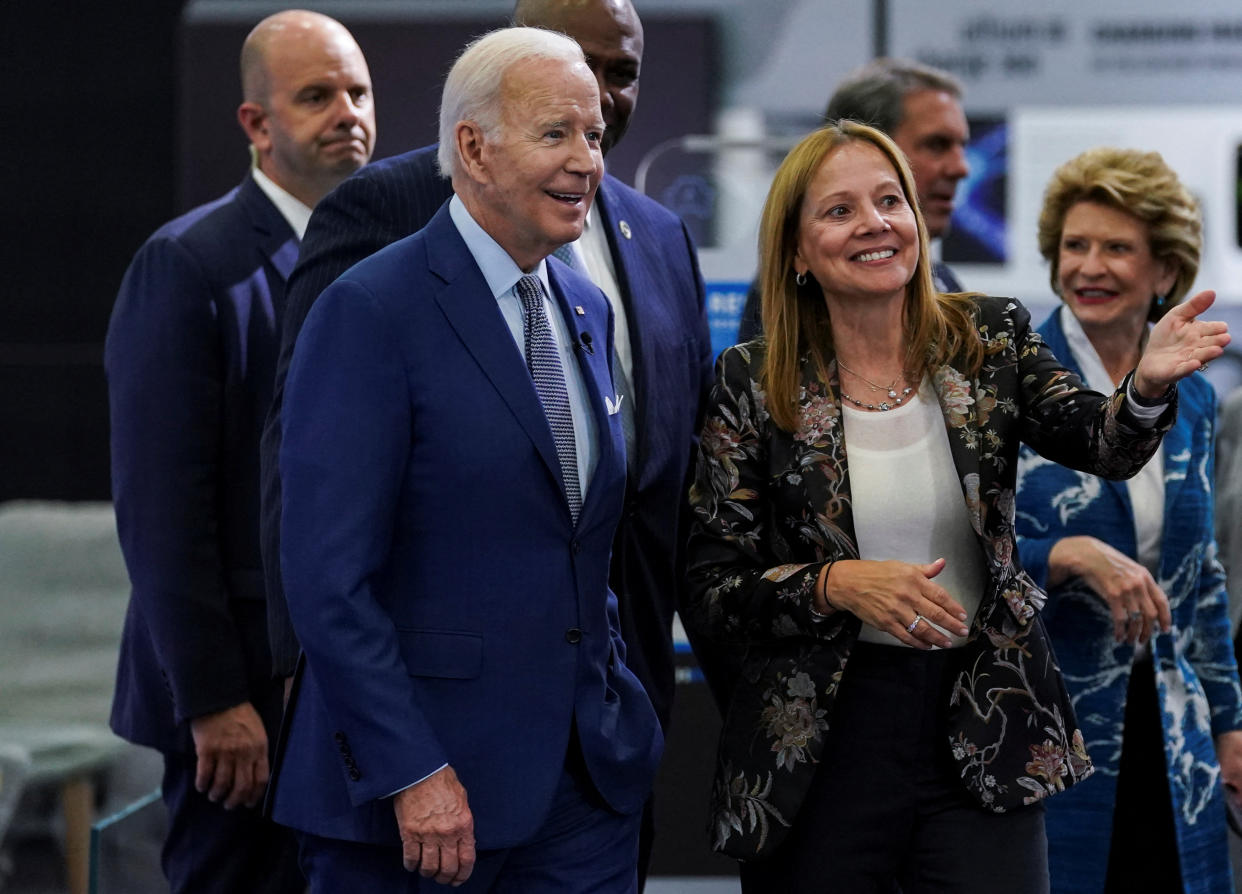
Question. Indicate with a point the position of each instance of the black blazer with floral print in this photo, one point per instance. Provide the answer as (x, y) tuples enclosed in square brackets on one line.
[(771, 508)]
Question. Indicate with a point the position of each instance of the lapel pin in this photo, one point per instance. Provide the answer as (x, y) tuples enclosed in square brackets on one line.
[(579, 311), (625, 229)]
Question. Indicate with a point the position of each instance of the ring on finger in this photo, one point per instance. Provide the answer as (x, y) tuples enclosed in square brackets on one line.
[(915, 623), (1203, 367), (1131, 617)]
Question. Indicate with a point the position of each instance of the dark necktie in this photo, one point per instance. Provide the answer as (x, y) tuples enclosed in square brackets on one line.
[(544, 364), (620, 382)]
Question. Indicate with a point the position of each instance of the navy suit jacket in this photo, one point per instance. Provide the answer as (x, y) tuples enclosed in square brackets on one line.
[(658, 275), (190, 355), (448, 607)]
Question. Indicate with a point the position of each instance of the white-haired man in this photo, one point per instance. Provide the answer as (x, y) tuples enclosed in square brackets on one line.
[(452, 469)]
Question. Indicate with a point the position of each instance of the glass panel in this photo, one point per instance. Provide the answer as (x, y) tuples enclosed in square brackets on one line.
[(125, 848)]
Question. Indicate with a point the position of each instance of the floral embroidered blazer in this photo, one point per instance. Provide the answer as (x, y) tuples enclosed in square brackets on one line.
[(771, 508), (1195, 675)]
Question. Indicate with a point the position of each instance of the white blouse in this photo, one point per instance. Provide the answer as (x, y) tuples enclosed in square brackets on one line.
[(1147, 487), (907, 501)]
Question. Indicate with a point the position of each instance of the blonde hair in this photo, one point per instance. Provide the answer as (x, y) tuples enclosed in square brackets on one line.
[(795, 317), (1141, 185)]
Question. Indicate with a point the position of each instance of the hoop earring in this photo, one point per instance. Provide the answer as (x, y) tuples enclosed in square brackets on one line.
[(800, 278)]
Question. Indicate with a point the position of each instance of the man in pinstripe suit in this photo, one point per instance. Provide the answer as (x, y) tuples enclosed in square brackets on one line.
[(644, 260)]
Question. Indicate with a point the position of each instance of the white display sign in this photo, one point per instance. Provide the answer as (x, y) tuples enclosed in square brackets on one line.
[(1070, 51)]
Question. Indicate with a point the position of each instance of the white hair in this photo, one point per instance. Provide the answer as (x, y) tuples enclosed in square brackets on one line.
[(472, 90)]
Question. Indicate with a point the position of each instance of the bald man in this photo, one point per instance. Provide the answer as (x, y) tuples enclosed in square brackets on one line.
[(190, 358)]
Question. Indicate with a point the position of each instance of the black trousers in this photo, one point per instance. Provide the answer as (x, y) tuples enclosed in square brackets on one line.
[(886, 811), (1143, 853), (210, 850)]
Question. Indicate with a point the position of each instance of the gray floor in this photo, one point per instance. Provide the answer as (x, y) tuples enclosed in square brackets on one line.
[(34, 867)]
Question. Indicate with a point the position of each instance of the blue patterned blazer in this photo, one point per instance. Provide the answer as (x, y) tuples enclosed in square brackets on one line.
[(1196, 676)]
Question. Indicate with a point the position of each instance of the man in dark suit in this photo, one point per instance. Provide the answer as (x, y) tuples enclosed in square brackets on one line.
[(190, 356), (920, 107), (453, 469), (645, 262)]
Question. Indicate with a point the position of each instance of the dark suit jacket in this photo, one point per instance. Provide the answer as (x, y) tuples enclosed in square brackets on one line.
[(190, 355), (771, 508), (657, 271), (448, 607)]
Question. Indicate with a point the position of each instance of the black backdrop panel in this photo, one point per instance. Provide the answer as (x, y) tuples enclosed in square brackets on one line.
[(408, 61)]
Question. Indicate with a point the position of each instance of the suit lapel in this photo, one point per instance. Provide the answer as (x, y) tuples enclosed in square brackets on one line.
[(277, 242), (594, 369), (635, 293), (1177, 470), (1054, 335), (468, 305), (949, 384)]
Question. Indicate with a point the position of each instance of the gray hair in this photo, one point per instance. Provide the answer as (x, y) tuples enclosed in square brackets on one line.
[(875, 93), (472, 90)]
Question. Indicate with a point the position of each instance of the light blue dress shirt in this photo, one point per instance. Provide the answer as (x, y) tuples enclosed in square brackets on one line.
[(502, 274)]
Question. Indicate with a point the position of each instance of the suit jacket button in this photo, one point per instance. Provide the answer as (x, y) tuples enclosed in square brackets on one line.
[(339, 737), (573, 635), (354, 774)]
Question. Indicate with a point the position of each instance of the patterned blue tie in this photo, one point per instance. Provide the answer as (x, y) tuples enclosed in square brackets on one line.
[(544, 364)]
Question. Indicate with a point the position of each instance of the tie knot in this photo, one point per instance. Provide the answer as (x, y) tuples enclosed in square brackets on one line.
[(529, 292)]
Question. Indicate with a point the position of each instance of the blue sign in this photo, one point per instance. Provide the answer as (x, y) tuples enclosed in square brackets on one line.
[(725, 303)]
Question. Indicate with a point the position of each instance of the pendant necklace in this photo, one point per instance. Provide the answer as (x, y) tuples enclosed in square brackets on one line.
[(882, 405), (894, 399)]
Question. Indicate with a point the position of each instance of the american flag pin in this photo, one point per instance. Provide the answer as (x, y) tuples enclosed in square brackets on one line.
[(579, 311)]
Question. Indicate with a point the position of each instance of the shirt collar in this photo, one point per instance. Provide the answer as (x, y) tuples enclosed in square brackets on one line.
[(497, 267), (291, 209), (1084, 354)]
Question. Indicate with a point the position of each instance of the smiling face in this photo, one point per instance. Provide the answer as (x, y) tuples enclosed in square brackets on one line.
[(530, 183), (1105, 269), (857, 234), (933, 133)]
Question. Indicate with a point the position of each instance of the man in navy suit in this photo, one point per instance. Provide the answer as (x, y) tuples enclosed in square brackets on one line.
[(190, 358), (642, 257), (453, 468)]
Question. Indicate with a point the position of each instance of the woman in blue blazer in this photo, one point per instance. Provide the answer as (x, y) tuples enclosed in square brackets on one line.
[(1137, 605)]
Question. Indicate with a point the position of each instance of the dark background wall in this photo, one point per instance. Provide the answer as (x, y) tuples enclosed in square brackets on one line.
[(121, 116), (87, 173)]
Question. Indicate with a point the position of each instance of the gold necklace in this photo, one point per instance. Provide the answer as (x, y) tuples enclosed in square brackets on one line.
[(891, 388)]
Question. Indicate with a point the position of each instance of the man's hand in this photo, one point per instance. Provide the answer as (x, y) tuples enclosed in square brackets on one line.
[(232, 755), (437, 828)]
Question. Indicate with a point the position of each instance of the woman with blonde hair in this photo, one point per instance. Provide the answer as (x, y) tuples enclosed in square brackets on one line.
[(1137, 607), (897, 718)]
